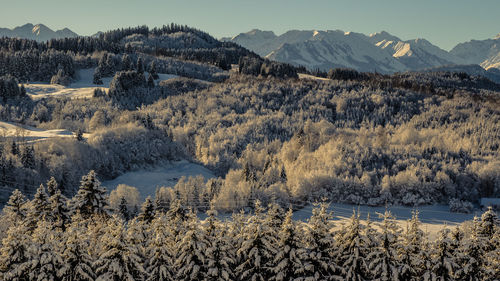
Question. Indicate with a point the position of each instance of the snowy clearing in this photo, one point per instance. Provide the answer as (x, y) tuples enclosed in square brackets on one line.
[(27, 133), (83, 87), (311, 77), (147, 181)]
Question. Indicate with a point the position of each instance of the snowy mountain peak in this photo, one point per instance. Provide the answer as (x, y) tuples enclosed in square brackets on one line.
[(39, 29), (381, 36), (39, 32), (498, 36)]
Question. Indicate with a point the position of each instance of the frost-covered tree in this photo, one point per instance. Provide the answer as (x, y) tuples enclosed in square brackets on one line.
[(15, 210), (123, 209), (290, 259), (411, 252), (75, 253), (14, 257), (97, 77), (352, 248), (126, 63), (147, 213), (191, 248), (52, 186), (91, 198), (256, 249), (60, 214), (159, 266), (320, 243), (471, 254), (39, 208), (443, 262), (220, 255), (44, 253), (153, 70), (384, 260), (118, 260), (140, 65)]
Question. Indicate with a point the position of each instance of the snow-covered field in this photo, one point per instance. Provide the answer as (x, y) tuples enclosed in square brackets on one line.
[(311, 77), (27, 133), (83, 87), (147, 181)]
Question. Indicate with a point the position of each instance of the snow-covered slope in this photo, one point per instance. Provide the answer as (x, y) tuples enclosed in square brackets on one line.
[(27, 133), (381, 52), (37, 32), (483, 52)]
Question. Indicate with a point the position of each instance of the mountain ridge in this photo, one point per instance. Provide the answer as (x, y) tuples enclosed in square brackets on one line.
[(38, 32)]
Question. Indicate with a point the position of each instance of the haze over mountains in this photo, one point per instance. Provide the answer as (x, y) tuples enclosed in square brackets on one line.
[(381, 52), (37, 32)]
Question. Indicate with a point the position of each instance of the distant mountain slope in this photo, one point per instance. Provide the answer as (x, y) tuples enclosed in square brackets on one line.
[(37, 32), (381, 52), (483, 52), (472, 69)]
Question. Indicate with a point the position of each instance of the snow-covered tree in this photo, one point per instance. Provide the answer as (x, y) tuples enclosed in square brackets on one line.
[(15, 210), (123, 209), (91, 197), (147, 213), (191, 249), (140, 65), (220, 255), (414, 260), (443, 262), (52, 186), (118, 260), (290, 259), (75, 253), (39, 208), (256, 250), (384, 261), (320, 243), (44, 253), (159, 266), (14, 258), (351, 250), (59, 214)]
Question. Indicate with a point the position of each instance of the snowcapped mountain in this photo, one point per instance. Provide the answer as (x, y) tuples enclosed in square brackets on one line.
[(483, 52), (381, 52), (37, 32)]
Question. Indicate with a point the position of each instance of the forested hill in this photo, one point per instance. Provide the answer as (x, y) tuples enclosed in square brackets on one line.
[(267, 132)]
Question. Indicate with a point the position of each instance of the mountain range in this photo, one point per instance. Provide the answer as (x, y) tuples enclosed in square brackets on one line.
[(380, 52), (37, 32)]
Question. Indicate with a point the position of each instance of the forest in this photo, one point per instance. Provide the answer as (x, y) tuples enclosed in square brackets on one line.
[(52, 237), (266, 132)]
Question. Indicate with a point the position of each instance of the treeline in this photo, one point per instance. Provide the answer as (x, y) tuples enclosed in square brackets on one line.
[(9, 88), (82, 238)]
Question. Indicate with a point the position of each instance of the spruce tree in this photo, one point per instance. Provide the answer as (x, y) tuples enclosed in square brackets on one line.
[(147, 213), (153, 70), (44, 253), (75, 253), (443, 262), (39, 208), (159, 266), (190, 262), (91, 197), (117, 260), (290, 261), (413, 260), (472, 263), (14, 257), (52, 186), (123, 209), (15, 210), (140, 65), (220, 258), (352, 250), (384, 263), (60, 214)]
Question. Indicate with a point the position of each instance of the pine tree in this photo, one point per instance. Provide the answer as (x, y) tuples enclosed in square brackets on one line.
[(384, 263), (153, 70), (255, 252), (15, 210), (191, 248), (321, 244), (117, 261), (14, 258), (39, 209), (60, 214), (159, 266), (126, 63), (290, 261), (91, 197), (28, 157), (352, 250), (472, 255), (220, 258), (151, 81), (123, 209), (97, 77), (489, 223), (147, 213), (52, 186), (442, 257), (43, 253), (413, 260), (14, 149), (77, 261), (140, 65)]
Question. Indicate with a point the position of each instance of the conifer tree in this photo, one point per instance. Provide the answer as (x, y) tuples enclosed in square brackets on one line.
[(413, 260), (75, 253), (126, 63), (118, 260), (442, 258), (153, 70), (159, 266), (147, 213), (60, 214), (151, 81), (190, 262), (14, 257), (97, 77), (15, 210), (140, 65), (321, 244), (220, 259), (43, 253), (123, 209), (52, 186), (384, 263), (472, 255), (91, 197), (290, 261), (255, 251), (39, 208), (352, 250)]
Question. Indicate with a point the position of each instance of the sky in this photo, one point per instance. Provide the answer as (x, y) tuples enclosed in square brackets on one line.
[(443, 22)]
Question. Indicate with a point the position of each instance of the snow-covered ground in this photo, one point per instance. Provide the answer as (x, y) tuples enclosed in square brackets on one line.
[(83, 87), (311, 77), (27, 133), (147, 181)]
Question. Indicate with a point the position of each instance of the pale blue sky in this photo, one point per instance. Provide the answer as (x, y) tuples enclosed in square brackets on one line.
[(443, 22)]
